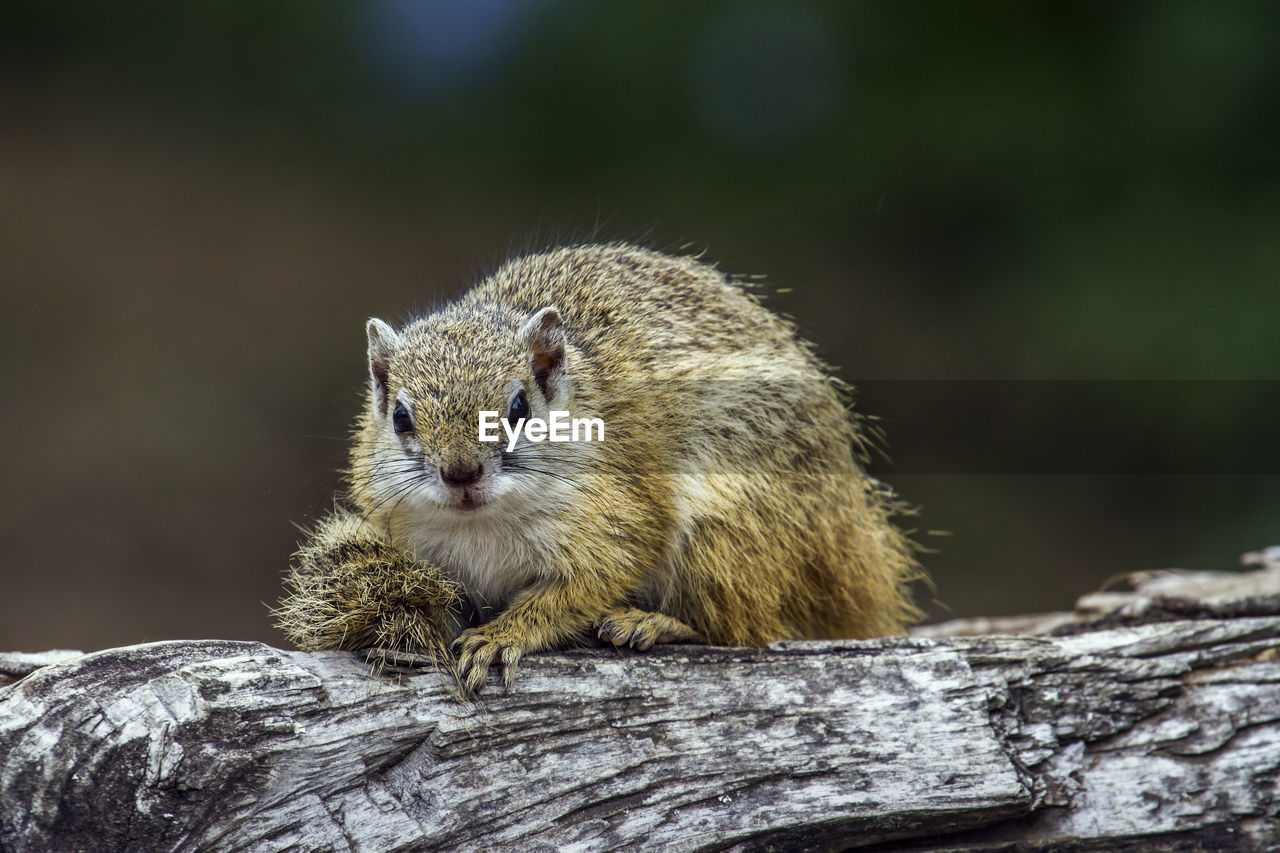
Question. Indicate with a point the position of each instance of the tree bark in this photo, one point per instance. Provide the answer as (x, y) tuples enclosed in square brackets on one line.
[(1145, 720)]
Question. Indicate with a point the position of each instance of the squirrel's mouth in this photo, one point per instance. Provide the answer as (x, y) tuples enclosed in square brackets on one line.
[(467, 501)]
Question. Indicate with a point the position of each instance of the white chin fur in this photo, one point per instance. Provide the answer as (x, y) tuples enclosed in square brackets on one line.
[(493, 550)]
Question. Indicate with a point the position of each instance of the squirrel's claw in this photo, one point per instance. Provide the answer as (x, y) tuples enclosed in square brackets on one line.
[(477, 651), (510, 658)]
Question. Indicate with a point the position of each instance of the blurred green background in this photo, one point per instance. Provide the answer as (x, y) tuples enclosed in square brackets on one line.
[(200, 204)]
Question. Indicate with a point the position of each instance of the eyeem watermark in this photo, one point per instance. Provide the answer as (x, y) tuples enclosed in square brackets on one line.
[(559, 428)]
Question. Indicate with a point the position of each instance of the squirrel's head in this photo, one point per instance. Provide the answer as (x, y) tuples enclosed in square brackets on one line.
[(429, 383)]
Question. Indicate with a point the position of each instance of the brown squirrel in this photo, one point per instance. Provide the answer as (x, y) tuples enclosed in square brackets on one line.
[(726, 503)]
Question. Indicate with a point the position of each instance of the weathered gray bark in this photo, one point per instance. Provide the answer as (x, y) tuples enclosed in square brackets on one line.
[(1125, 732)]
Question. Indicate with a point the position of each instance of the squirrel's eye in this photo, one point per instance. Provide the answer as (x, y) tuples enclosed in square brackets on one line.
[(400, 418), (519, 409)]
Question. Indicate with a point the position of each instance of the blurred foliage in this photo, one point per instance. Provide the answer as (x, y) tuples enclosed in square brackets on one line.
[(1103, 170), (954, 191)]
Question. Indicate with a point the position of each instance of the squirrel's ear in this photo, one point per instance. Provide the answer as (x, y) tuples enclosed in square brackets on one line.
[(544, 335), (382, 342)]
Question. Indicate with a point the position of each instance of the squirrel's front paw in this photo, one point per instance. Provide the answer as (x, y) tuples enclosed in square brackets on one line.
[(641, 629), (478, 648)]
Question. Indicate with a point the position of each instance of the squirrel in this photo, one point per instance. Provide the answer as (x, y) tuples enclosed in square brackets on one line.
[(727, 503)]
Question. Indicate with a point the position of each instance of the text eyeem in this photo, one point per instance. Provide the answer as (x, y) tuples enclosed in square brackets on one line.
[(559, 428)]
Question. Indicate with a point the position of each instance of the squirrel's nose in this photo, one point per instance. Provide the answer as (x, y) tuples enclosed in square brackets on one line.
[(461, 474)]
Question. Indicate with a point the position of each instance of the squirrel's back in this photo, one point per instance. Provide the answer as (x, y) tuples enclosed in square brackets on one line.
[(645, 311)]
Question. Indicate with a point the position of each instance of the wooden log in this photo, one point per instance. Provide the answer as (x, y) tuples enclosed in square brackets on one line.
[(1117, 733)]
